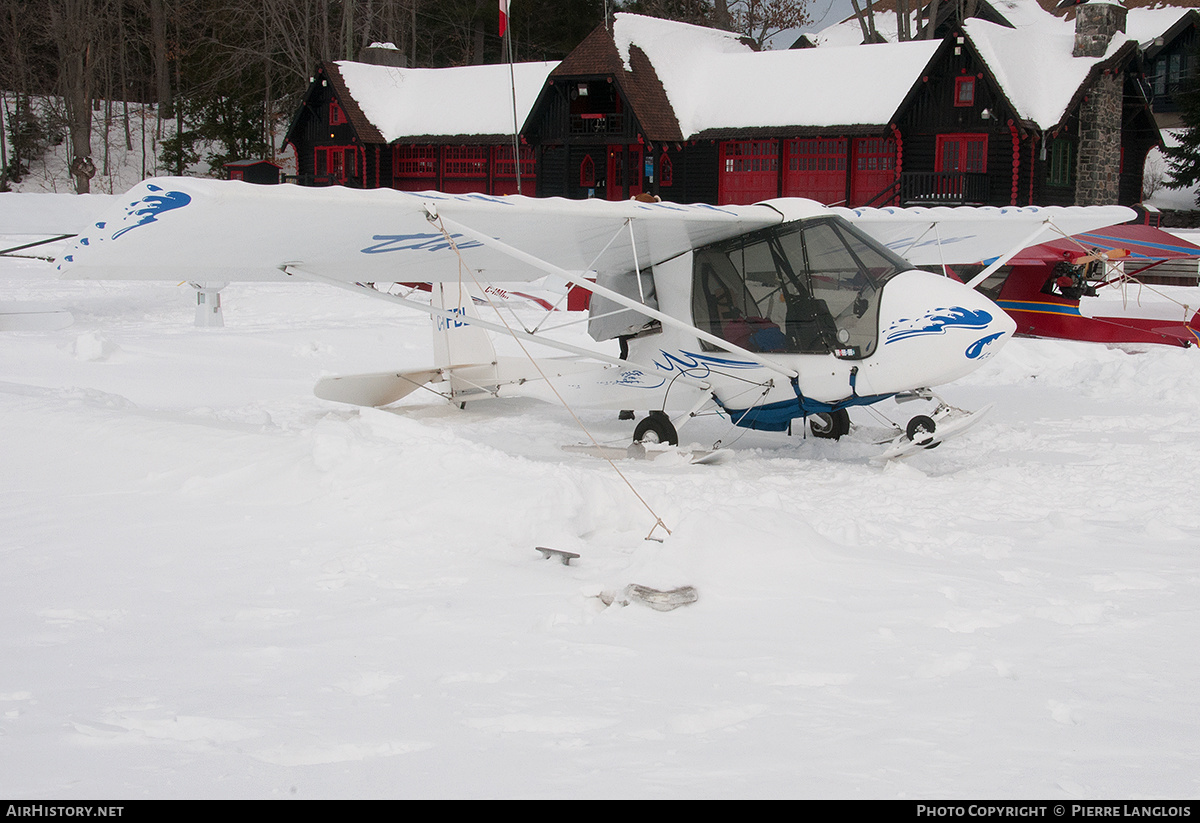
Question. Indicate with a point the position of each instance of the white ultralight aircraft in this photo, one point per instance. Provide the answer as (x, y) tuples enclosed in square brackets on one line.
[(773, 312)]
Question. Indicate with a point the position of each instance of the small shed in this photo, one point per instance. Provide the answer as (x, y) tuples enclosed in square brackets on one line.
[(254, 171)]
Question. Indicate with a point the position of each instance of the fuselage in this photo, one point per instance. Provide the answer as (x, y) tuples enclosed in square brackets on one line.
[(852, 320)]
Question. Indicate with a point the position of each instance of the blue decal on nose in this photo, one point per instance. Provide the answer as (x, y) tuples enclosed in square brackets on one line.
[(976, 349), (937, 321)]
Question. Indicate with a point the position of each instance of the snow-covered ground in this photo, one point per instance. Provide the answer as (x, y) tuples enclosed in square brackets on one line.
[(213, 584)]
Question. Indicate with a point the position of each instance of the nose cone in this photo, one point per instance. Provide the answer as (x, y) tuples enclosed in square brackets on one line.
[(933, 329)]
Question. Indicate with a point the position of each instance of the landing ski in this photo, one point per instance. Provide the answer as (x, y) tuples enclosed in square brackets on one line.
[(647, 451), (929, 432)]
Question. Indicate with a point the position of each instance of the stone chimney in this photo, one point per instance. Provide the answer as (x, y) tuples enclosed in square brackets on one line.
[(1095, 24), (1098, 163)]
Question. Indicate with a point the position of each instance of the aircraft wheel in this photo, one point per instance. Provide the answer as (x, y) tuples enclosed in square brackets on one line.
[(920, 429), (830, 425), (656, 428)]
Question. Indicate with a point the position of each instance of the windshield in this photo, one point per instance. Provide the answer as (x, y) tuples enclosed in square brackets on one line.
[(811, 286)]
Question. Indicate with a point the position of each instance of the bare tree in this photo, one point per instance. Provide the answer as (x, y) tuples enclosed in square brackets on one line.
[(760, 20)]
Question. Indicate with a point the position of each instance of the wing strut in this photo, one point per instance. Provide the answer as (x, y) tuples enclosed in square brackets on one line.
[(296, 270), (578, 280), (1045, 226)]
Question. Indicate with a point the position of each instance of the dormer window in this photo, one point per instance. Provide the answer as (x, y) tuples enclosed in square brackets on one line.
[(336, 116), (964, 90)]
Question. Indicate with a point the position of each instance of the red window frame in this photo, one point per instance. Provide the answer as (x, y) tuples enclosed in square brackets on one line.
[(415, 161), (817, 154), (335, 162), (964, 90), (875, 154), (504, 166), (750, 156), (666, 171), (466, 161), (962, 153), (337, 116)]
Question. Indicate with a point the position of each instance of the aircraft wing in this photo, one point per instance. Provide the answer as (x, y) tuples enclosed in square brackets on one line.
[(214, 231), (965, 235)]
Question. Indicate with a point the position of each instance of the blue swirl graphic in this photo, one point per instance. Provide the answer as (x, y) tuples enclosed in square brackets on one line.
[(637, 379), (976, 349), (699, 365), (937, 321), (149, 208)]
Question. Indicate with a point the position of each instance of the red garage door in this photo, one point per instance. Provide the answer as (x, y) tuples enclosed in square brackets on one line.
[(749, 171), (816, 169), (874, 170)]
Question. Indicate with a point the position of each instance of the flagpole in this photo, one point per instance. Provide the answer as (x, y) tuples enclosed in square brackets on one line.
[(506, 42)]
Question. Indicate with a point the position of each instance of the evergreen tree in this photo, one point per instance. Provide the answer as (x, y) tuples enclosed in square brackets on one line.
[(1183, 160)]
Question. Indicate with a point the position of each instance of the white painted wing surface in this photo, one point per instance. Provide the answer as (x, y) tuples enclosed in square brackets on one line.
[(964, 234), (207, 230)]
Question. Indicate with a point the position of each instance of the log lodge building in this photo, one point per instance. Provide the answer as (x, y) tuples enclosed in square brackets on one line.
[(1042, 111)]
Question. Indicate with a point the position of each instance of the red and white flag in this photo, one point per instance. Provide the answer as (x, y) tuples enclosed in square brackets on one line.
[(503, 17)]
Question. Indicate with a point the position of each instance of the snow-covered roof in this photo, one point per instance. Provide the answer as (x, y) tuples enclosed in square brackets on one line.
[(713, 81), (1144, 25), (1033, 65), (468, 100), (808, 87), (666, 42), (1024, 12), (1031, 61)]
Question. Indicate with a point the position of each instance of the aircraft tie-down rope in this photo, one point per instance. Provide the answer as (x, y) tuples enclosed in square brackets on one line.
[(463, 265)]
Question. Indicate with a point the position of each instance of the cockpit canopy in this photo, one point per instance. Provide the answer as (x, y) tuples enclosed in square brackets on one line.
[(806, 287)]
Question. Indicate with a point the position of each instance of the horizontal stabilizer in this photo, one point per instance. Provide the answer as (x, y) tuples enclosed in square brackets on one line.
[(379, 389)]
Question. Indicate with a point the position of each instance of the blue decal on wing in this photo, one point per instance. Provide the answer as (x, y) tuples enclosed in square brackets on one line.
[(149, 208), (421, 241), (937, 321)]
